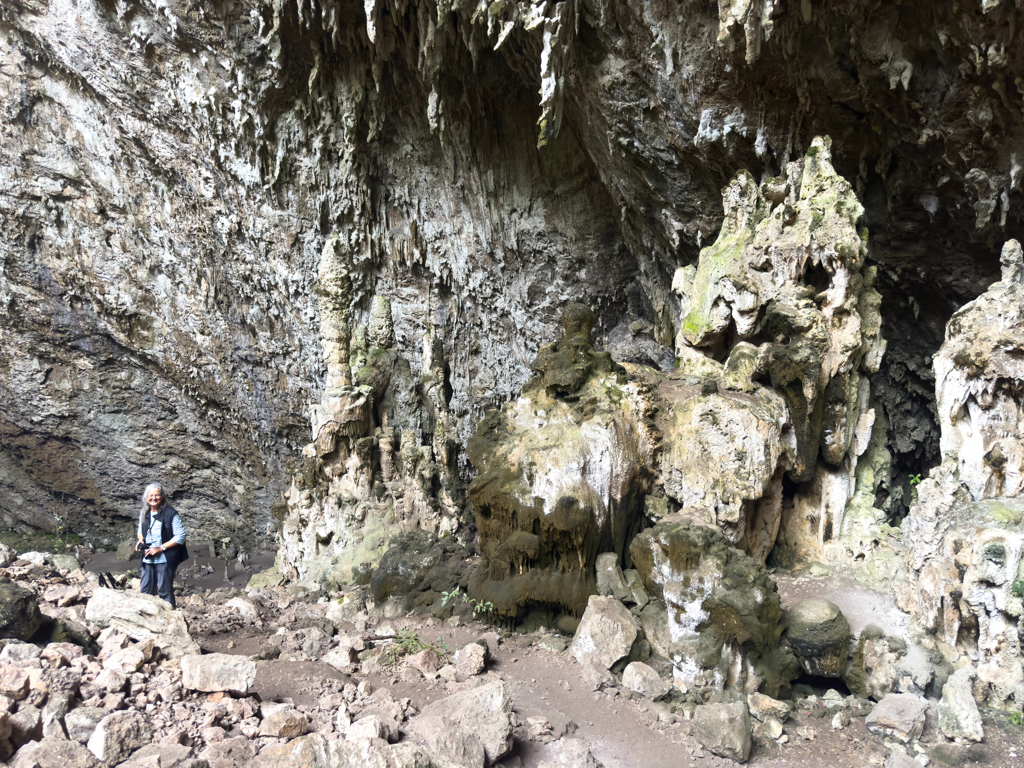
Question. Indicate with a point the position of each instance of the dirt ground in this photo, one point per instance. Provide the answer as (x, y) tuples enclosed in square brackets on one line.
[(622, 729)]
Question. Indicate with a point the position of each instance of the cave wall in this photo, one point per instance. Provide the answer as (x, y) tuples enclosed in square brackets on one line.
[(172, 171)]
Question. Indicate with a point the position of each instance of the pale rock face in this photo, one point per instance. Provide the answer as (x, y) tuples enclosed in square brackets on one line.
[(979, 372), (721, 460), (789, 264), (965, 546), (367, 429)]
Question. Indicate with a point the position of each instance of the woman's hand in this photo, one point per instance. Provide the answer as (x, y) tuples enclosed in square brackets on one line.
[(154, 551)]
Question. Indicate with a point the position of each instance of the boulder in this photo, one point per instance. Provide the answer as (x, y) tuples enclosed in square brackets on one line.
[(7, 555), (372, 727), (766, 708), (472, 728), (417, 566), (164, 756), (286, 724), (568, 753), (898, 715), (610, 581), (118, 734), (54, 753), (639, 677), (14, 682), (20, 617), (141, 617), (959, 717), (126, 661), (873, 669), (724, 728), (715, 613), (218, 672), (236, 752), (426, 661), (819, 635), (82, 721), (471, 659), (66, 562), (26, 725), (607, 634)]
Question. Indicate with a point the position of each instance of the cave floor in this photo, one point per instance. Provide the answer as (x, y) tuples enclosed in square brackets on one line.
[(621, 729)]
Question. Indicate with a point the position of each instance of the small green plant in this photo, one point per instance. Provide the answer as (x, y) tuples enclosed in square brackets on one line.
[(1016, 719), (479, 606), (1017, 588), (409, 642), (915, 480)]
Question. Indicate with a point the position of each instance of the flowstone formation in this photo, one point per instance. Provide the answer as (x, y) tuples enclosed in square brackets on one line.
[(716, 614), (380, 462), (562, 473), (966, 544), (784, 297)]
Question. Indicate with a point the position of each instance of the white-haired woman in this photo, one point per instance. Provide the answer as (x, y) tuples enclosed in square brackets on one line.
[(162, 538)]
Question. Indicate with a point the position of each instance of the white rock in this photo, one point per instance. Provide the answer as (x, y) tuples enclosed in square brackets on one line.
[(218, 672)]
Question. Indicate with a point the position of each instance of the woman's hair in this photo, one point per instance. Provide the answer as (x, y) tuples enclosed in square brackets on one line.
[(145, 493)]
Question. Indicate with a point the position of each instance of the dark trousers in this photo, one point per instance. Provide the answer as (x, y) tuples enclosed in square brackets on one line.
[(158, 579)]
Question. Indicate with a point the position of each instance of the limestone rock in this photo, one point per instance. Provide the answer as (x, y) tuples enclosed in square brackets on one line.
[(141, 617), (898, 715), (471, 659), (968, 555), (287, 724), (163, 756), (54, 753), (472, 726), (14, 682), (7, 555), (26, 725), (874, 667), (569, 753), (218, 672), (978, 372), (118, 734), (724, 728), (819, 634), (606, 634), (721, 459), (959, 717), (561, 476), (639, 677), (610, 582), (716, 615), (372, 727), (19, 611), (789, 265), (82, 721), (236, 752), (765, 707)]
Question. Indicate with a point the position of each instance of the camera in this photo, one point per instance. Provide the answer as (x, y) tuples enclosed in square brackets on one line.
[(139, 546)]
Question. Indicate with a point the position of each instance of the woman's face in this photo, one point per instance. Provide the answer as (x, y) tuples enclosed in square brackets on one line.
[(153, 498)]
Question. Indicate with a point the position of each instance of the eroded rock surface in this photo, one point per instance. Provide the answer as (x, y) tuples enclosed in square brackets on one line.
[(717, 615), (562, 474)]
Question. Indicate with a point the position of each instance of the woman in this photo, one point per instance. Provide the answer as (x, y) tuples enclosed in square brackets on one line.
[(162, 537)]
